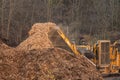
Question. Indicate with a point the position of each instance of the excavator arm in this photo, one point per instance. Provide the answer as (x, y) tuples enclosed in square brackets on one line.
[(59, 39), (71, 46)]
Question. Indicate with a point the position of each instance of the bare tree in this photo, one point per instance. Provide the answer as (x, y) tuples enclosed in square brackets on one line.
[(2, 17), (33, 8), (10, 16), (49, 11)]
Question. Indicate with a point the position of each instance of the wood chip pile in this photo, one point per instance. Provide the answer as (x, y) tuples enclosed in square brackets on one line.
[(38, 37), (42, 61), (6, 49)]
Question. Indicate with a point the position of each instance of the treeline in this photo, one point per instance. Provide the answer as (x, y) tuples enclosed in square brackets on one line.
[(80, 16)]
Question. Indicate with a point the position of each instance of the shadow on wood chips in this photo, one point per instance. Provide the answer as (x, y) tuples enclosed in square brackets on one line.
[(44, 64)]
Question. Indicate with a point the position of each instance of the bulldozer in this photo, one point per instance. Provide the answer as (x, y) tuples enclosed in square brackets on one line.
[(107, 57)]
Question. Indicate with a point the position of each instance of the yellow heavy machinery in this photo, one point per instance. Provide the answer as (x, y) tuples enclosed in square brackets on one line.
[(83, 44), (59, 39), (87, 47), (115, 56), (85, 50), (107, 57), (102, 55)]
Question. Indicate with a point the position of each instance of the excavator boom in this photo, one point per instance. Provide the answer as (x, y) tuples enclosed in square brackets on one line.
[(59, 39), (71, 46)]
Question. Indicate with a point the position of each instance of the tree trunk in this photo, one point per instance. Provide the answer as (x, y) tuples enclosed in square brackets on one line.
[(33, 8), (9, 19), (49, 10), (2, 18)]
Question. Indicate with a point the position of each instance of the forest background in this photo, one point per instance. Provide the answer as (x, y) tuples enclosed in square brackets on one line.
[(93, 19)]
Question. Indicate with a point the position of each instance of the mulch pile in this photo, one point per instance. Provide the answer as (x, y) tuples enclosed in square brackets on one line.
[(43, 62), (38, 37), (6, 49)]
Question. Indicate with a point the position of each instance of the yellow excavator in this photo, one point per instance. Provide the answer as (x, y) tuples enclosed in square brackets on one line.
[(107, 57), (59, 39), (86, 49)]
